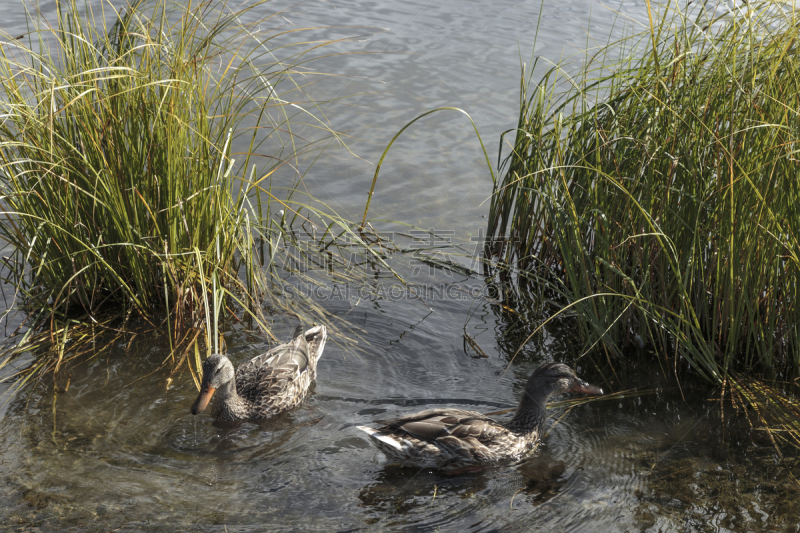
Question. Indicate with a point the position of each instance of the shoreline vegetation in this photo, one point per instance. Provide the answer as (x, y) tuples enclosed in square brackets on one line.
[(138, 148), (653, 198)]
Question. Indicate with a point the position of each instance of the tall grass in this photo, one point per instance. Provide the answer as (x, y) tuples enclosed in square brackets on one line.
[(121, 187), (656, 194)]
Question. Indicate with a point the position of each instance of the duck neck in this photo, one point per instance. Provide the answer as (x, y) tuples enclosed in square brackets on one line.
[(531, 413), (230, 405)]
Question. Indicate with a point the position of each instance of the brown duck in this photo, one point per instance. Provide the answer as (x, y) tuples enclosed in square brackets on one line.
[(457, 440), (265, 385)]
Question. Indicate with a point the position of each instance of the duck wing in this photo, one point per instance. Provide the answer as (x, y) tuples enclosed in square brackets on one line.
[(466, 433), (269, 376)]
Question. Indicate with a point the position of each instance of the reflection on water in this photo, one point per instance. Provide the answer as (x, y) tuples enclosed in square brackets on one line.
[(544, 477)]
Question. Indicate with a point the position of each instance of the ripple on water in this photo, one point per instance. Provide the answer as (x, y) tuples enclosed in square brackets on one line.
[(134, 455)]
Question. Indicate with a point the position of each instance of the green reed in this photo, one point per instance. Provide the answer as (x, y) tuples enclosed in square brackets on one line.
[(655, 193), (120, 187)]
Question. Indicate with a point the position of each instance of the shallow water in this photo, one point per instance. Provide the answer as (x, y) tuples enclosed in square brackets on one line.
[(117, 447)]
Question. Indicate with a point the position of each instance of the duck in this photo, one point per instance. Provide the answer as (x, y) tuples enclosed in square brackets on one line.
[(455, 440), (264, 386)]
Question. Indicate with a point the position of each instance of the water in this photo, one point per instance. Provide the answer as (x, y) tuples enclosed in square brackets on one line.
[(116, 448)]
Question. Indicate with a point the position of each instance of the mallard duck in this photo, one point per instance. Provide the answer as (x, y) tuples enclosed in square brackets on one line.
[(265, 385), (457, 440)]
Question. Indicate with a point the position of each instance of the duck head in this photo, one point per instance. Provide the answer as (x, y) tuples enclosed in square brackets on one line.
[(558, 378), (217, 371)]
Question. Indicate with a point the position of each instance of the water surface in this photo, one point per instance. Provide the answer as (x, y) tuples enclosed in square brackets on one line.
[(119, 449)]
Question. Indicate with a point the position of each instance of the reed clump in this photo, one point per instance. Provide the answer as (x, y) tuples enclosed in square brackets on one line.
[(137, 148), (654, 196)]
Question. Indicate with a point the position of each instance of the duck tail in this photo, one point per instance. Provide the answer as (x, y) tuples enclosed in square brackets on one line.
[(383, 441), (316, 337)]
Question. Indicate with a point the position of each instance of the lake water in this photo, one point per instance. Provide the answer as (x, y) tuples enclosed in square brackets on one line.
[(118, 450)]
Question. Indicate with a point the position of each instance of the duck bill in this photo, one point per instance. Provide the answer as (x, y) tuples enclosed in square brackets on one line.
[(202, 399), (585, 388)]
